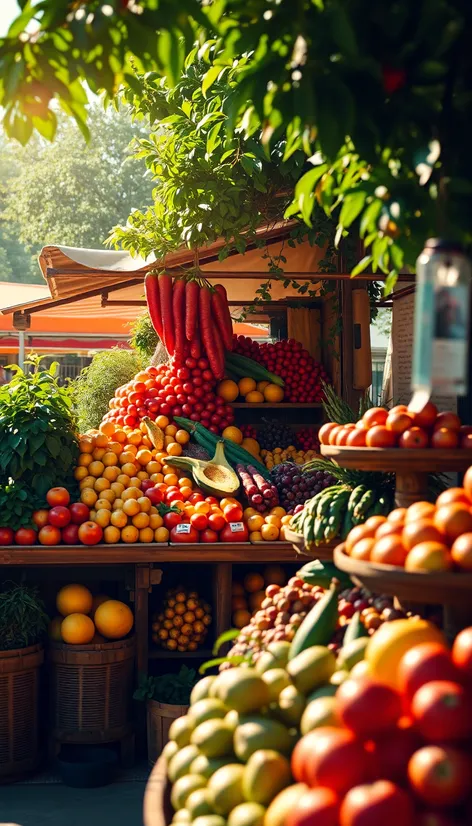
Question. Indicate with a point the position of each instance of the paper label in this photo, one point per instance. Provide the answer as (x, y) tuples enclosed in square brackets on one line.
[(236, 526), (183, 528)]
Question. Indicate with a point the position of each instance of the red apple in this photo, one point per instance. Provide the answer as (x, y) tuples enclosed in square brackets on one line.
[(79, 513)]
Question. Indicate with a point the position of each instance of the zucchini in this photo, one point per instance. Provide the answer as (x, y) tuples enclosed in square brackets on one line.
[(319, 624), (234, 453), (245, 366)]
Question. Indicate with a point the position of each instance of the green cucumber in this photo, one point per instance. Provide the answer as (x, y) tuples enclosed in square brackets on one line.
[(319, 624), (251, 368)]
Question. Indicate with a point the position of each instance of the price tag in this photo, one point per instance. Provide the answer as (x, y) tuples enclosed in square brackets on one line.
[(183, 528), (236, 526)]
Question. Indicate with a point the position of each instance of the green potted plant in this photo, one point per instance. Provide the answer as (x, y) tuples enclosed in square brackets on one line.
[(23, 624), (167, 697)]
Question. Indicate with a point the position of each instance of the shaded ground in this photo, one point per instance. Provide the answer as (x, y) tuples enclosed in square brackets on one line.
[(56, 805)]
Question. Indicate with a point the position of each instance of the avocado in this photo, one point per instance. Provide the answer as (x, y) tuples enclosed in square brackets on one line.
[(207, 709), (215, 477), (206, 766), (199, 803), (290, 706), (275, 656)]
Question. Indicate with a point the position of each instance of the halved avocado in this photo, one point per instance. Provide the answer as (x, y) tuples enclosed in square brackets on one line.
[(216, 477)]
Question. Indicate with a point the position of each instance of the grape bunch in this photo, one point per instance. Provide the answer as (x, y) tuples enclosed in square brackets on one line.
[(307, 438), (273, 433), (248, 431), (295, 487)]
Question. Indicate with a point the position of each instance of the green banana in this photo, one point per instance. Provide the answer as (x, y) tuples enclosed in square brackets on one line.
[(355, 497), (363, 506)]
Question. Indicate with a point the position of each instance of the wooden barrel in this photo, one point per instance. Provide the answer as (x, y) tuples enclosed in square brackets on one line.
[(91, 691), (160, 717), (19, 688), (157, 806)]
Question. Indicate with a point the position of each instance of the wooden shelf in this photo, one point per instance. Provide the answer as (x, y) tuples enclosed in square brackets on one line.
[(268, 406), (398, 460), (133, 554), (163, 654)]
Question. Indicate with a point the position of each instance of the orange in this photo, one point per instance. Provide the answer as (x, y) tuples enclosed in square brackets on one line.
[(103, 503), (101, 440), (129, 534), (392, 640), (120, 437), (96, 468), (255, 522), (254, 397), (88, 497), (155, 521), (72, 599), (246, 386), (157, 478), (452, 520), (119, 519), (422, 530), (80, 473), (140, 520), (108, 428), (170, 430), (86, 444), (182, 437), (144, 503), (429, 556), (54, 629), (273, 520), (77, 629), (388, 529), (116, 447), (153, 467), (389, 551), (356, 534), (127, 456), (461, 551), (109, 458), (249, 512), (108, 495), (135, 437), (146, 535), (174, 449), (131, 507), (118, 504), (111, 473), (135, 482), (85, 459), (161, 535), (397, 516), (278, 511), (418, 510), (131, 493), (113, 619), (102, 484), (162, 422), (111, 535), (447, 497), (229, 390), (171, 479), (123, 479), (131, 449), (273, 393), (362, 549), (143, 456), (99, 453), (253, 582), (234, 434), (142, 475), (129, 468), (103, 517), (374, 522), (185, 491)]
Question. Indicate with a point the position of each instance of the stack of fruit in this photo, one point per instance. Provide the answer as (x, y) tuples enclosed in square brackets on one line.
[(303, 376), (251, 391), (246, 439), (61, 521), (267, 527), (248, 594), (183, 622), (307, 438), (205, 519), (279, 455), (84, 618), (393, 745), (399, 427), (334, 511), (295, 487), (423, 537)]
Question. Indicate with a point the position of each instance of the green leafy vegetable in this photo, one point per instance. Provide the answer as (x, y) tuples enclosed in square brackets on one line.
[(23, 620), (96, 384)]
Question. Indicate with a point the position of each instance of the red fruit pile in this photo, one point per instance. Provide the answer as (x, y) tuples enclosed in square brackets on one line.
[(248, 431), (307, 438), (287, 358), (62, 522), (204, 520), (172, 390), (395, 755)]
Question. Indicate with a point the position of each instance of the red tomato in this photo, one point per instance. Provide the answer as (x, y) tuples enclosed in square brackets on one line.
[(445, 438), (6, 536), (233, 513), (392, 752), (58, 496), (155, 495), (26, 536), (216, 521), (462, 652), (41, 517), (196, 497), (79, 513), (70, 534), (320, 806), (208, 535), (367, 707), (377, 803), (379, 436), (427, 417), (449, 420), (442, 710), (212, 500), (423, 663), (440, 775), (234, 532), (59, 516), (146, 484), (49, 535), (413, 439), (190, 536), (90, 533), (199, 521), (330, 757), (174, 496), (172, 519)]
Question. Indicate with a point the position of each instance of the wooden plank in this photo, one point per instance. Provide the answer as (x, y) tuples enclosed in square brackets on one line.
[(222, 586), (141, 617), (286, 405)]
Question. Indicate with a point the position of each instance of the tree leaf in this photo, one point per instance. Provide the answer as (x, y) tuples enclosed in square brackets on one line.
[(209, 79), (226, 636), (352, 207), (362, 265)]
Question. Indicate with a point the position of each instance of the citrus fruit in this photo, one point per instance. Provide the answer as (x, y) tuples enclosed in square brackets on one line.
[(233, 434), (246, 386), (77, 629), (73, 599), (273, 393), (392, 640), (429, 556), (113, 619), (254, 397), (461, 551), (229, 390)]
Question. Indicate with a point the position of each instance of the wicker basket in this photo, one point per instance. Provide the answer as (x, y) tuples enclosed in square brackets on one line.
[(19, 688), (158, 809), (160, 717), (91, 688)]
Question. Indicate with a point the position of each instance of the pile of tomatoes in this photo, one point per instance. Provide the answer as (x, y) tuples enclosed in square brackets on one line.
[(63, 522), (399, 427), (192, 517), (394, 752), (171, 390), (424, 537)]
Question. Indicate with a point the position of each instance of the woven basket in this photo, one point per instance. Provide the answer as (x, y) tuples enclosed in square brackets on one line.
[(19, 688), (91, 688), (160, 717)]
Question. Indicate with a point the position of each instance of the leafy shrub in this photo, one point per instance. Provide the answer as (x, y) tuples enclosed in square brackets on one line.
[(168, 688), (144, 338), (96, 384), (23, 620)]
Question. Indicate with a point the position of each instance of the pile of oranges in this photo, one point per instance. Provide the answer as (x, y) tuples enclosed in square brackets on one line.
[(115, 468), (423, 537), (269, 527), (183, 622), (83, 618)]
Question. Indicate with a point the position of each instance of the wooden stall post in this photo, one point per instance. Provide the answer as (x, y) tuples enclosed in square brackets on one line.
[(222, 582)]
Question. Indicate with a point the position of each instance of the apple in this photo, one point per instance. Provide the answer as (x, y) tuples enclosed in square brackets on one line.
[(79, 513)]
